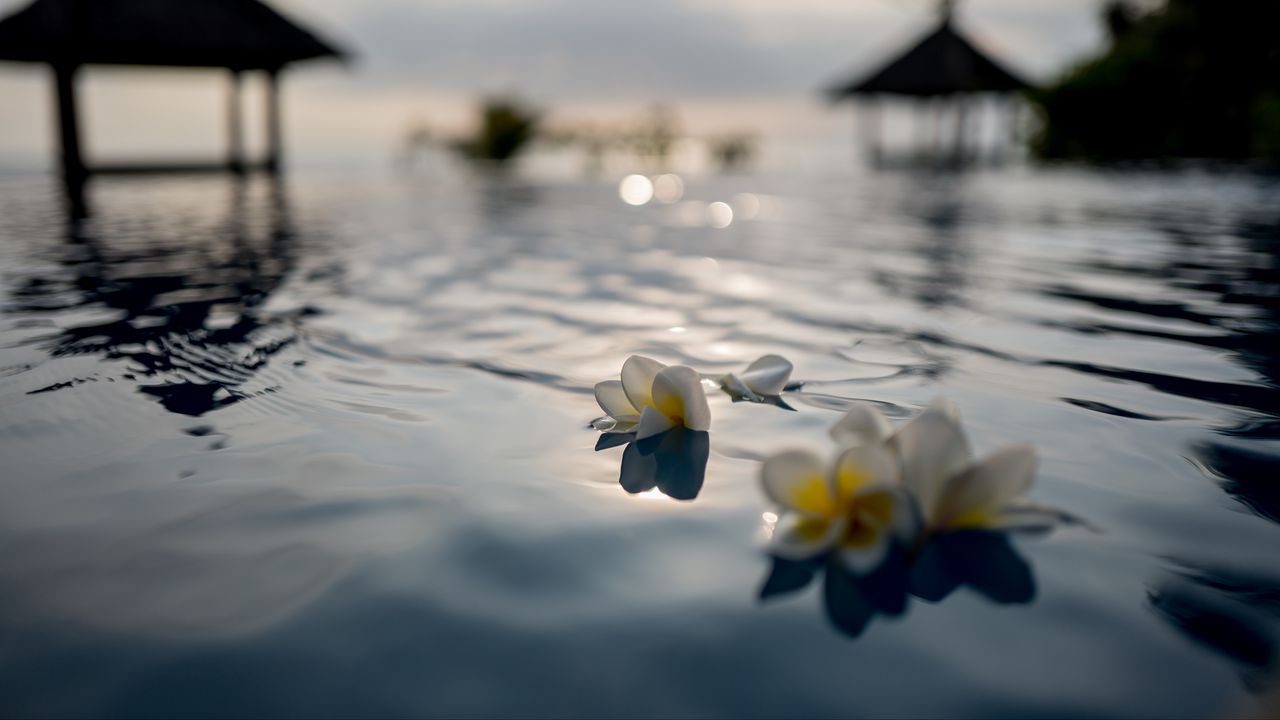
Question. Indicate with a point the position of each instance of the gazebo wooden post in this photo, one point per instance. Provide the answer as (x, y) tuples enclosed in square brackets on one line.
[(1014, 117), (274, 140), (73, 169), (869, 124), (235, 126), (1003, 129), (74, 172), (961, 105), (998, 129), (931, 125), (938, 115), (982, 121)]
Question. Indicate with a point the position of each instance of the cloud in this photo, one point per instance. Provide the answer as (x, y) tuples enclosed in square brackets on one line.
[(586, 50), (709, 58)]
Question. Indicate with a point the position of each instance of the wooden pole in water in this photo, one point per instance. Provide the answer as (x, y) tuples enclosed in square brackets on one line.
[(274, 140), (235, 127)]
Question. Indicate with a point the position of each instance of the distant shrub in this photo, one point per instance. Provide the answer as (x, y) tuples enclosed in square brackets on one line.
[(732, 152), (504, 129)]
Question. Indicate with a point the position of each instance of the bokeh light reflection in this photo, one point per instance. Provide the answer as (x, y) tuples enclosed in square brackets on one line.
[(719, 215), (635, 190), (668, 188)]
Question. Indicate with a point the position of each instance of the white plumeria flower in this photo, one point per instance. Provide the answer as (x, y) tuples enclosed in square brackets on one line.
[(766, 377), (854, 507), (953, 491), (652, 398)]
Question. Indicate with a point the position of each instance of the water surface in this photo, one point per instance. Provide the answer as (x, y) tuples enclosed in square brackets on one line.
[(323, 448)]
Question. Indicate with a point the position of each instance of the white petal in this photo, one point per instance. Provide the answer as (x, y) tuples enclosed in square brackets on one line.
[(768, 375), (862, 424), (614, 401), (974, 496), (907, 523), (638, 373), (618, 427), (678, 394), (932, 448), (861, 467), (800, 537), (652, 422), (946, 407), (734, 385), (796, 480)]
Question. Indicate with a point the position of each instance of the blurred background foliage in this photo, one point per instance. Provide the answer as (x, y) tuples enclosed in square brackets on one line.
[(649, 140), (504, 128), (1181, 79)]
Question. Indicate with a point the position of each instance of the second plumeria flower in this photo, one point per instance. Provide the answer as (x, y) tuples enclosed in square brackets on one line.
[(766, 377), (652, 398), (953, 490)]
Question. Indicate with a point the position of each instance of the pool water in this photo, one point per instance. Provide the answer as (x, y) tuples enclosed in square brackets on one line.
[(324, 447)]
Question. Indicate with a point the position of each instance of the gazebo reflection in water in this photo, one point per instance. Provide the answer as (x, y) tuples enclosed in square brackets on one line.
[(185, 317)]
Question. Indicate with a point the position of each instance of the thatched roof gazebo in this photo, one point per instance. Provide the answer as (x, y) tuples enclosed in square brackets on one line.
[(240, 35), (942, 66)]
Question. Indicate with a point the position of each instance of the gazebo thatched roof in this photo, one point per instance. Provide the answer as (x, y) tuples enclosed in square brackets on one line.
[(944, 62), (237, 34)]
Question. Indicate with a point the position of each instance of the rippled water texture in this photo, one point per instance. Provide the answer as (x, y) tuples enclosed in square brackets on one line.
[(325, 448)]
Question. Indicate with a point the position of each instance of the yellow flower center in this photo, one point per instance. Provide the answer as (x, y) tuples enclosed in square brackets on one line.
[(868, 516)]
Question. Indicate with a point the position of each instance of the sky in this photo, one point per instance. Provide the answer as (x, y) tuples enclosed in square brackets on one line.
[(723, 65)]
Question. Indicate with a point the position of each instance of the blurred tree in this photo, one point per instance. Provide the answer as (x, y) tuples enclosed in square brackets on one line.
[(1187, 78), (505, 127), (732, 152)]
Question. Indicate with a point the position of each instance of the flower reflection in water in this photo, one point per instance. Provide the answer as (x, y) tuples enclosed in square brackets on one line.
[(185, 319), (673, 462), (984, 561)]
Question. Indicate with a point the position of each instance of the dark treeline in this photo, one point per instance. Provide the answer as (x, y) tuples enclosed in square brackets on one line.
[(1182, 79)]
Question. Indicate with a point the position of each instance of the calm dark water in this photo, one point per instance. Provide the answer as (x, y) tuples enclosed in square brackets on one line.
[(323, 449)]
